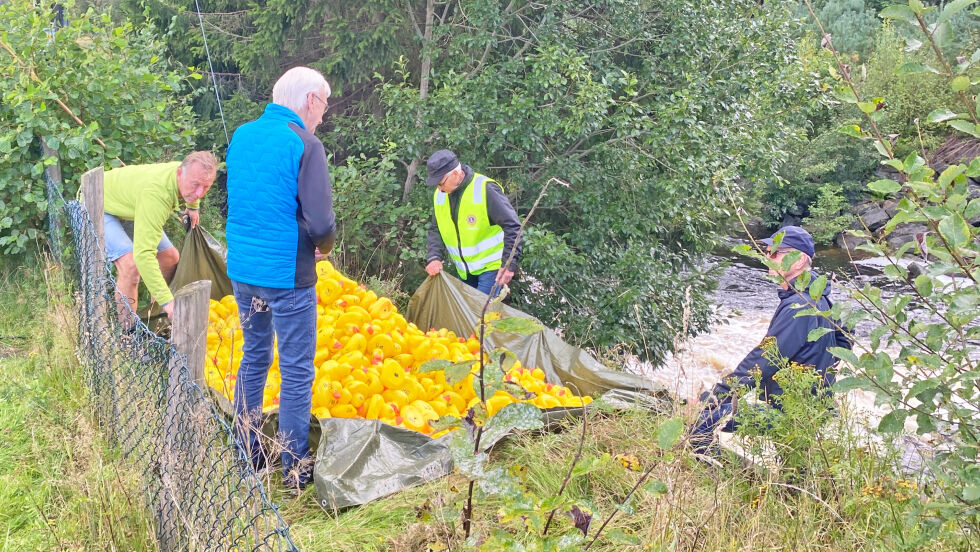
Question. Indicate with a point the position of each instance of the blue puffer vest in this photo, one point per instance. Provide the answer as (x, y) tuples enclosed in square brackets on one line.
[(262, 232)]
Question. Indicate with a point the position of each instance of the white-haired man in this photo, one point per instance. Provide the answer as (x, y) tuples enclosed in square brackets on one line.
[(138, 200), (280, 210)]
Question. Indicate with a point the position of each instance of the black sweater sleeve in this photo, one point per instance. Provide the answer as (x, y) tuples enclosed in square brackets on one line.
[(502, 214), (314, 193)]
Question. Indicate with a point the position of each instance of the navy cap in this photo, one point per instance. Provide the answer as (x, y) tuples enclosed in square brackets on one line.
[(439, 165), (794, 237)]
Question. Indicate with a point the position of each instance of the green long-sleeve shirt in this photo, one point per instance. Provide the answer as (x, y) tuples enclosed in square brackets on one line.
[(146, 195)]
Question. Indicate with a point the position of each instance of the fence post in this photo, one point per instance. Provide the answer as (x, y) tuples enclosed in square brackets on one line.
[(182, 422), (93, 197), (52, 187), (190, 326)]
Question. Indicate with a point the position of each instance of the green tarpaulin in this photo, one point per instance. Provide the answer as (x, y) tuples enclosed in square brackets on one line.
[(359, 460)]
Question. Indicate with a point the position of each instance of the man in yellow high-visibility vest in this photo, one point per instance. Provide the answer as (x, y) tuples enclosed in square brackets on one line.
[(473, 222)]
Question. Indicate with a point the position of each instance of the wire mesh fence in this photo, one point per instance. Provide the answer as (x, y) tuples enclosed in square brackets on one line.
[(196, 480)]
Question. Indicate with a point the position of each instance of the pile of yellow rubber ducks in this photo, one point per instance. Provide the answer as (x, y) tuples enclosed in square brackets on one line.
[(367, 362)]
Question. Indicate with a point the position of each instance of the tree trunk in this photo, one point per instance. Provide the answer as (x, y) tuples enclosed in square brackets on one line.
[(413, 167)]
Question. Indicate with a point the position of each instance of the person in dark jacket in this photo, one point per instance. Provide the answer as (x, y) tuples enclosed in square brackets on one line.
[(791, 338), (280, 210), (473, 222)]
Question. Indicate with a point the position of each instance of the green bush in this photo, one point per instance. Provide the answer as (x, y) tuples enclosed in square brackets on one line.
[(113, 78), (921, 358), (829, 215)]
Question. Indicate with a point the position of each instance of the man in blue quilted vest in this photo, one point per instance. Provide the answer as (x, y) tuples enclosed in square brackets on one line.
[(280, 210)]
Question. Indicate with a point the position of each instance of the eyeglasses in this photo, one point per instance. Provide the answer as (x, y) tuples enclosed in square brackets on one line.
[(773, 253), (319, 98)]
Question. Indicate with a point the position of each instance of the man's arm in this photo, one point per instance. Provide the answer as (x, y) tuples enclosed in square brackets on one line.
[(148, 221), (315, 195), (502, 213), (434, 246), (790, 334)]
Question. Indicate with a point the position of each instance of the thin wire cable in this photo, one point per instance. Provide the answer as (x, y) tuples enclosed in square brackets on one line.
[(214, 79)]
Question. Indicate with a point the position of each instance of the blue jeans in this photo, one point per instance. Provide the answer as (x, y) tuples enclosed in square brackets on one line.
[(291, 317), (702, 434), (483, 282)]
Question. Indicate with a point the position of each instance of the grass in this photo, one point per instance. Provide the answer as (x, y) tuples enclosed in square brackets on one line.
[(59, 487), (733, 507)]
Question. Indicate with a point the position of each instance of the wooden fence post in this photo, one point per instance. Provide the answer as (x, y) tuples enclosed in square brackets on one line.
[(93, 197), (52, 188), (182, 425), (190, 326)]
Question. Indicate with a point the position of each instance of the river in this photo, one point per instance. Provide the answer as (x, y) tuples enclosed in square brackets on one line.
[(745, 301)]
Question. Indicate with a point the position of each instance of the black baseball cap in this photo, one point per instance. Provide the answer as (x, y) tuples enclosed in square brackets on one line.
[(794, 237), (439, 165)]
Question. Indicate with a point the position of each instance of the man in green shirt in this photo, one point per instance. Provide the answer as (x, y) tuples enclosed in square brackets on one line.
[(138, 200)]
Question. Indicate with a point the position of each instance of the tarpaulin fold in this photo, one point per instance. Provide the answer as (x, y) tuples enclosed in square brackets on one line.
[(358, 461)]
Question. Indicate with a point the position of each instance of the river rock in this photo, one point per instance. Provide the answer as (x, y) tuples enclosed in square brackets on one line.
[(873, 216), (890, 206), (756, 227), (846, 240), (791, 219), (904, 233)]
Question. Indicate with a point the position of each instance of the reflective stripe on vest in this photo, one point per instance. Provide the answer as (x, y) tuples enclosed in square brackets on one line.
[(475, 246)]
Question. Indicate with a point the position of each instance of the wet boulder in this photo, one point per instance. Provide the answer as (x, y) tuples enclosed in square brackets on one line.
[(904, 233), (873, 216)]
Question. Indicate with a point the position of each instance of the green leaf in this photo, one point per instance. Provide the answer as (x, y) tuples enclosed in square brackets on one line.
[(955, 230), (971, 492), (867, 107), (965, 126), (817, 333), (502, 359), (881, 149), (670, 432), (893, 422), (952, 9), (960, 83), (844, 94), (517, 325), (903, 13), (445, 422), (848, 384), (972, 209), (656, 487), (923, 385), (852, 130), (911, 68), (620, 536), (817, 287), (917, 7), (943, 114), (458, 372), (894, 163), (844, 354), (884, 186), (790, 259), (435, 365), (513, 416), (923, 283)]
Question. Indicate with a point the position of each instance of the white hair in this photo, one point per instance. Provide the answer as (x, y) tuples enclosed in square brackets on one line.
[(294, 85)]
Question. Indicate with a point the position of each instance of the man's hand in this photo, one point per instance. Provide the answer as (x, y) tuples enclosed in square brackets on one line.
[(504, 276), (194, 216), (169, 309), (434, 267)]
